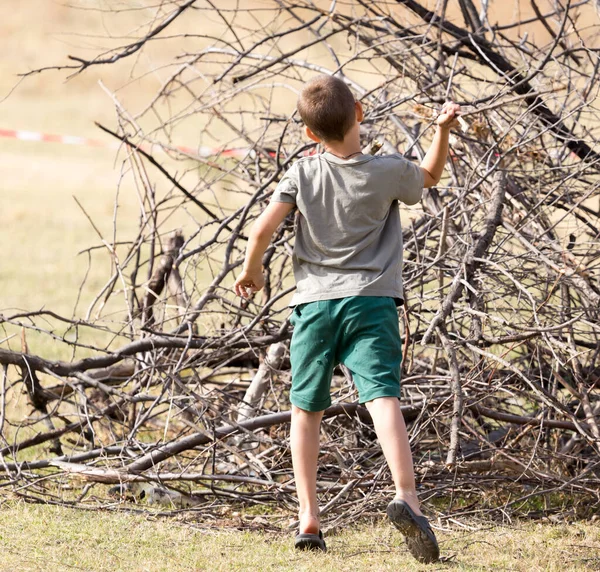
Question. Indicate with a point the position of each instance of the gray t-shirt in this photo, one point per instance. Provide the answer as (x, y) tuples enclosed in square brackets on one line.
[(348, 234)]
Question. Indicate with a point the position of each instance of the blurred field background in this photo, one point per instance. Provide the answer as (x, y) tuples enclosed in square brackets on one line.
[(42, 227)]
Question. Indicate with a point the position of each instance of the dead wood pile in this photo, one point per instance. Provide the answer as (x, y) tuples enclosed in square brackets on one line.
[(502, 268)]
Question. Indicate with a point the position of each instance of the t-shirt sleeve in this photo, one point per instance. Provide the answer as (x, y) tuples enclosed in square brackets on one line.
[(287, 188), (411, 180)]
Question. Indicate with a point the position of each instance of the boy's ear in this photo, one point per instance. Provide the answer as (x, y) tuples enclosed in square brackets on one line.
[(311, 135), (360, 114)]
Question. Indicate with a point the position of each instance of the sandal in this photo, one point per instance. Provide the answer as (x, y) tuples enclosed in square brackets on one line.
[(307, 541), (417, 532)]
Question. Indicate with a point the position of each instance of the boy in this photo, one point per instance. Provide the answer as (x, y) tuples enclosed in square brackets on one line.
[(347, 265)]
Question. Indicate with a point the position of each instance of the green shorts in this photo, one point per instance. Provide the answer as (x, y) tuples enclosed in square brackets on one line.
[(360, 332)]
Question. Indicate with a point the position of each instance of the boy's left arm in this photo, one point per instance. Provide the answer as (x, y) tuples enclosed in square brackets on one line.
[(251, 279)]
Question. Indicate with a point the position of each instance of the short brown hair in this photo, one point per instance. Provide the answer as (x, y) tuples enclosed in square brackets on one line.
[(327, 108)]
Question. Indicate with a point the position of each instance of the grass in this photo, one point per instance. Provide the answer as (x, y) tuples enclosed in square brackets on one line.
[(34, 537)]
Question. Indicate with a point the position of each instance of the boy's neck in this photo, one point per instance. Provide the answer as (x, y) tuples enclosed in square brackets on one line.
[(347, 148)]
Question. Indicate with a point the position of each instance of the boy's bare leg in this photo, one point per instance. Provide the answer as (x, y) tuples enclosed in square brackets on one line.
[(304, 442), (392, 434)]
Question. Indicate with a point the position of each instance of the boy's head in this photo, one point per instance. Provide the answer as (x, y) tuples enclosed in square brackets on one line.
[(327, 108)]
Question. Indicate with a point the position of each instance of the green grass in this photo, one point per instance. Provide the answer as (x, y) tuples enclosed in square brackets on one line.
[(34, 537)]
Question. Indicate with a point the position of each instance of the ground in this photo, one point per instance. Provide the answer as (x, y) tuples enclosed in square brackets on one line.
[(50, 538)]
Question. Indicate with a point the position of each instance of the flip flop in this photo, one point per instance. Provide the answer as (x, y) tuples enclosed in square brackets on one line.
[(417, 532), (306, 541)]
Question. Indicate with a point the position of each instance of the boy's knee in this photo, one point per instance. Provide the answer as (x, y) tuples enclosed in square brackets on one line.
[(385, 401), (299, 412)]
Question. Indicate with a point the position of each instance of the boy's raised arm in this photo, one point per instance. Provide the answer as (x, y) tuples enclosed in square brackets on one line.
[(251, 279), (435, 159)]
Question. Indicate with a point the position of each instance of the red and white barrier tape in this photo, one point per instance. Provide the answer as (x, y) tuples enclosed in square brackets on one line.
[(87, 142), (50, 138)]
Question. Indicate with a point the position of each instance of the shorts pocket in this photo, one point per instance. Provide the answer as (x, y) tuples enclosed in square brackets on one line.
[(297, 311)]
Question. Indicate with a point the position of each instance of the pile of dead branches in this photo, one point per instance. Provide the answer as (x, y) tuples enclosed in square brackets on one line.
[(502, 268)]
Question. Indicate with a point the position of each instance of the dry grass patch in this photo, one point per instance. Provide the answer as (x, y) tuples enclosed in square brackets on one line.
[(34, 537)]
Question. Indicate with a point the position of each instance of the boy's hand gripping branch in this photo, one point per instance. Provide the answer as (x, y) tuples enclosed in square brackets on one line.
[(449, 116)]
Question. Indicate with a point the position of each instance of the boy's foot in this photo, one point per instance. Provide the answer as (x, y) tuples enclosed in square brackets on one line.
[(418, 535), (309, 541)]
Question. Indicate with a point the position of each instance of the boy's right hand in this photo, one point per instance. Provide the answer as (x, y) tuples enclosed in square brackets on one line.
[(249, 282), (448, 117)]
